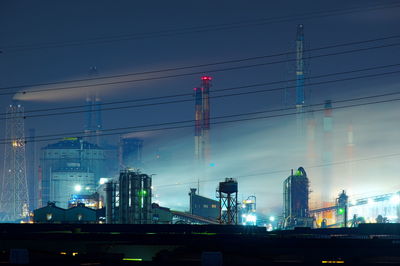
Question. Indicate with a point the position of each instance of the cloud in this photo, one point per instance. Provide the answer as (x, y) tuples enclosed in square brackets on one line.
[(105, 87)]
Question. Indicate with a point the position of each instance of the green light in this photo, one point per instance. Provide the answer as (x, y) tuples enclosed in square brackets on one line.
[(132, 259), (298, 173), (341, 211), (142, 192), (204, 233)]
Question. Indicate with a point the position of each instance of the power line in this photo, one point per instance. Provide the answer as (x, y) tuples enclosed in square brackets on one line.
[(286, 170), (5, 141), (228, 95), (281, 171), (202, 65), (201, 72), (200, 29)]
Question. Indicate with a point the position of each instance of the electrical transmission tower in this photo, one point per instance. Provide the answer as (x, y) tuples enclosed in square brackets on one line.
[(14, 189)]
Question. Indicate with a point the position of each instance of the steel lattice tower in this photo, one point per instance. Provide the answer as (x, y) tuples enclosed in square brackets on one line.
[(14, 190)]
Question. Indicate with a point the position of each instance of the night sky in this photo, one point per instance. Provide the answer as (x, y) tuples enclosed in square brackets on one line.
[(52, 41)]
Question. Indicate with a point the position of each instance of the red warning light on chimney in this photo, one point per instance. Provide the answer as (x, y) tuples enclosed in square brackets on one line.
[(206, 78)]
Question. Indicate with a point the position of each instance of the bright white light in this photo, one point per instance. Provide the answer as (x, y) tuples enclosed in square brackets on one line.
[(243, 215), (78, 188), (270, 228), (395, 199), (87, 188), (370, 201), (251, 218), (103, 180), (272, 218)]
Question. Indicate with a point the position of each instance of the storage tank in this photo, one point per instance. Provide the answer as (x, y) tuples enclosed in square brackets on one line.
[(295, 201)]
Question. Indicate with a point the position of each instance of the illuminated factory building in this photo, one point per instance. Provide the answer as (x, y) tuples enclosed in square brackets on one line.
[(69, 168), (248, 212), (369, 209)]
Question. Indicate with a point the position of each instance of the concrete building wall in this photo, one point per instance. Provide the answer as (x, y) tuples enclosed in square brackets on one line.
[(204, 207), (71, 156), (69, 182)]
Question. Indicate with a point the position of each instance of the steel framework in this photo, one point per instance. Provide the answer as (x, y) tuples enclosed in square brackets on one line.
[(14, 200), (227, 193)]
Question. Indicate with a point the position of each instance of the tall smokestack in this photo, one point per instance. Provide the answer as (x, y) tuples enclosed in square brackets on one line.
[(88, 116), (311, 154), (93, 124), (198, 114), (327, 153), (202, 148), (205, 85), (300, 79), (99, 121), (350, 153)]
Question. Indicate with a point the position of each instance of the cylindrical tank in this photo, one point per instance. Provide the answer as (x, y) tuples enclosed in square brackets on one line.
[(146, 199), (123, 197), (109, 199), (228, 186), (296, 190)]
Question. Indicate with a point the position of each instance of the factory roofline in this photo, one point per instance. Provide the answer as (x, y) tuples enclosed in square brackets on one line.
[(72, 143), (197, 195)]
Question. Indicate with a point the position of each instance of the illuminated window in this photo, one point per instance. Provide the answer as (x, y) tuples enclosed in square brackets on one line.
[(213, 206), (80, 216), (205, 206), (49, 216)]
